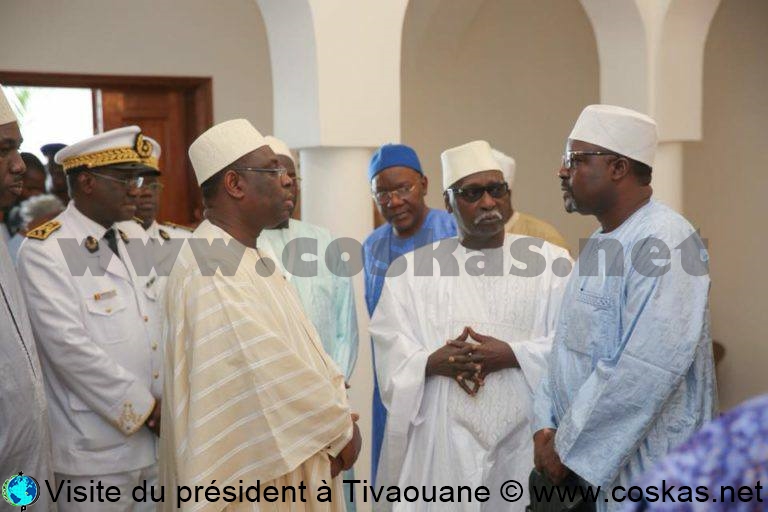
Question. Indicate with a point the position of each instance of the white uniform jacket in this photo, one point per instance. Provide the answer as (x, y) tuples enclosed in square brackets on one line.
[(91, 319)]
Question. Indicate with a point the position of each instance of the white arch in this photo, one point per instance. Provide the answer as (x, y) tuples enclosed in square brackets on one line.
[(680, 68), (336, 69), (622, 48), (293, 55)]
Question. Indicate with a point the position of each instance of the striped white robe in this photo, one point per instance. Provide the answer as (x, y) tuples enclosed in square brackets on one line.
[(249, 392)]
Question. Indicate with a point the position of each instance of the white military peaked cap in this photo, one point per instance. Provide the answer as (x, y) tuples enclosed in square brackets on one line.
[(123, 148)]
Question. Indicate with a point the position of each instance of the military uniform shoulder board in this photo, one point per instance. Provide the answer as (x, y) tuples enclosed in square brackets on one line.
[(163, 234), (44, 231), (123, 236), (177, 226), (138, 221)]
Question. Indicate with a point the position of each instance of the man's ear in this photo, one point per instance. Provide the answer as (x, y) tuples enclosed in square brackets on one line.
[(233, 184), (424, 185), (620, 168), (447, 200)]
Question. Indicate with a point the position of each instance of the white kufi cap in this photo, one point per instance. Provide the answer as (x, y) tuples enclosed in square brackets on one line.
[(618, 129), (507, 164), (279, 147), (6, 114), (469, 158), (221, 145)]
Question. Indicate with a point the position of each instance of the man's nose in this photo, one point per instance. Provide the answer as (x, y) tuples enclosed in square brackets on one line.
[(394, 200), (17, 164), (486, 201)]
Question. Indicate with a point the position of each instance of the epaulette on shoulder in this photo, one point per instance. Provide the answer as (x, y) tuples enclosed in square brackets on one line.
[(44, 231), (177, 226)]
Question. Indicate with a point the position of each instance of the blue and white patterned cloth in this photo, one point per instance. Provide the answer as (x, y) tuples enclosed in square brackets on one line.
[(731, 451)]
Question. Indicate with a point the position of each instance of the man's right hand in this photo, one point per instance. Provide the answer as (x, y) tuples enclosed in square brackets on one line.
[(442, 361), (545, 458), (153, 421)]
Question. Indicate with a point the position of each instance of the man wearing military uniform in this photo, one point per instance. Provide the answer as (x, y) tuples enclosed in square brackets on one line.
[(147, 207), (93, 320), (162, 247)]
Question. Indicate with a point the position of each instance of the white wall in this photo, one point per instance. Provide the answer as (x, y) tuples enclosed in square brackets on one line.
[(726, 181), (514, 73), (225, 39)]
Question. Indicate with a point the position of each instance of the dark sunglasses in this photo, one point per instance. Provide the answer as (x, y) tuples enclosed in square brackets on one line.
[(473, 194)]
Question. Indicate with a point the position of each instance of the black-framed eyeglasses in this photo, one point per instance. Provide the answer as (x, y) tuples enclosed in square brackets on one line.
[(473, 193), (385, 196), (569, 162), (279, 172), (128, 181)]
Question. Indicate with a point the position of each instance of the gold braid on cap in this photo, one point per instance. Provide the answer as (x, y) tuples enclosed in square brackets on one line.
[(141, 153)]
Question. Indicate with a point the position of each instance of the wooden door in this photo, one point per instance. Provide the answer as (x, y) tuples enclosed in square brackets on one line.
[(163, 113)]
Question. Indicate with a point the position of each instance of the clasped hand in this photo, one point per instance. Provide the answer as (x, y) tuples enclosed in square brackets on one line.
[(469, 362)]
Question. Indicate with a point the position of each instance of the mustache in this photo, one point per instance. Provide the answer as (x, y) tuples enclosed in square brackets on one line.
[(492, 215)]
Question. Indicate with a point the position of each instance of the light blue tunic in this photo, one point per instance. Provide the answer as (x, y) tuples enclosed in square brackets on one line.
[(327, 297), (631, 371)]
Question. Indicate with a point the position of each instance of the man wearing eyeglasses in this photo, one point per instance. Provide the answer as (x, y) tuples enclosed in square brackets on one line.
[(147, 208), (92, 320), (398, 186), (459, 412), (165, 239), (251, 396), (631, 373)]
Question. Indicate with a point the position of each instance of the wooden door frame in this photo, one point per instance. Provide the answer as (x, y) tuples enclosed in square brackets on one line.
[(198, 93)]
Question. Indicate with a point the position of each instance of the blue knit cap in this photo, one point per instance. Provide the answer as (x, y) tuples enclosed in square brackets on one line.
[(393, 155)]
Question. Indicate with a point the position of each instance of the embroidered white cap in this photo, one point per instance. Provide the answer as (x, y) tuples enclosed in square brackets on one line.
[(221, 145), (279, 147), (469, 158), (6, 113), (624, 131), (507, 164)]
